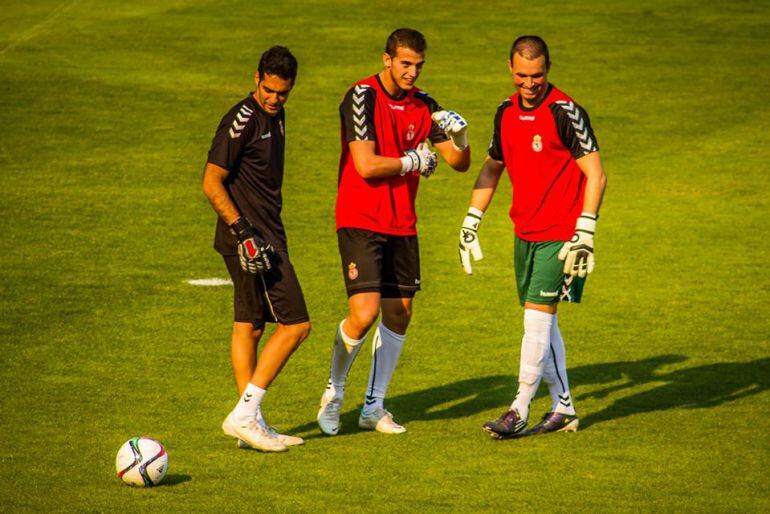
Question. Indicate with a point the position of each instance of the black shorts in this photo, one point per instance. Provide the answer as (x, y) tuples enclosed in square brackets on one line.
[(375, 262), (274, 297)]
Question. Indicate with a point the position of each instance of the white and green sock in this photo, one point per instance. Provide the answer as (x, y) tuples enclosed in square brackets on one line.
[(535, 349), (555, 374)]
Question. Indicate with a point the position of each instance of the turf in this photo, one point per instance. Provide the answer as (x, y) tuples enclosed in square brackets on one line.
[(107, 110)]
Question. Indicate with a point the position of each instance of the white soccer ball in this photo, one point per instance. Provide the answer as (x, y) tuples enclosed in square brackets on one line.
[(142, 462)]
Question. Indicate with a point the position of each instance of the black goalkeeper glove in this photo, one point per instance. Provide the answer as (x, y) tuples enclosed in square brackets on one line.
[(253, 252)]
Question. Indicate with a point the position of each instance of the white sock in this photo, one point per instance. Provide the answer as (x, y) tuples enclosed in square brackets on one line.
[(535, 348), (386, 349), (555, 374), (248, 407), (345, 351)]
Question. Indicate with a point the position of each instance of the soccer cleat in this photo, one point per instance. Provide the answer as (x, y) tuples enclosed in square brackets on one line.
[(508, 426), (555, 422), (381, 421), (329, 415), (288, 440), (253, 434)]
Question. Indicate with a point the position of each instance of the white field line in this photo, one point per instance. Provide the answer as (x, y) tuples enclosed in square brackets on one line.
[(210, 282), (40, 27)]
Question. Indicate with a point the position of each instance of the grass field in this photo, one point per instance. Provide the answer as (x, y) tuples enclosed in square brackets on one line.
[(107, 111)]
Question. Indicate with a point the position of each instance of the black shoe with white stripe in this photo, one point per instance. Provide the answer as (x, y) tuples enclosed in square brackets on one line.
[(508, 426)]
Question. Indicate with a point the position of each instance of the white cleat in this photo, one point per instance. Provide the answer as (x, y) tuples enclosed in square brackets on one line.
[(288, 440), (329, 415), (253, 434), (381, 421)]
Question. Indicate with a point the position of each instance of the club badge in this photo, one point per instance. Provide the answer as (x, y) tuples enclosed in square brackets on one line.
[(352, 271), (537, 143), (410, 132)]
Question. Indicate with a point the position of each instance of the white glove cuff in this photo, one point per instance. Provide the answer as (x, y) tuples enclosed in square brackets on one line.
[(407, 164), (586, 224), (475, 211)]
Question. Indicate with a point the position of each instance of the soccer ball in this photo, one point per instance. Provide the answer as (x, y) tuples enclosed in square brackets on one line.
[(142, 462)]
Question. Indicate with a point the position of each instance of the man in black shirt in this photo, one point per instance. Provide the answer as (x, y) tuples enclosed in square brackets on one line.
[(242, 180)]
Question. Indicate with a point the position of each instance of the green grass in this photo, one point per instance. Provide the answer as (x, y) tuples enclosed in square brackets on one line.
[(107, 110)]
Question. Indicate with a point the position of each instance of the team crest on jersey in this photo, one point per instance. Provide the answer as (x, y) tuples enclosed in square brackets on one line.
[(410, 132), (352, 271), (537, 143)]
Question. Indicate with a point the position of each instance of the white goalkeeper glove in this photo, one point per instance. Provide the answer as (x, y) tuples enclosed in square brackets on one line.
[(419, 160), (469, 239), (453, 126), (578, 252)]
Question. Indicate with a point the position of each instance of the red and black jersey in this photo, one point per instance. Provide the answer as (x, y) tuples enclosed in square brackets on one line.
[(249, 143), (539, 146), (369, 113)]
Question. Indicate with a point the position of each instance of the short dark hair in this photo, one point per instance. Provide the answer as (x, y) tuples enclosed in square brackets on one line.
[(409, 38), (530, 47), (279, 61)]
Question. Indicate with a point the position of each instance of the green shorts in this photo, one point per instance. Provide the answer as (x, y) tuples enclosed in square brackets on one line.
[(540, 274)]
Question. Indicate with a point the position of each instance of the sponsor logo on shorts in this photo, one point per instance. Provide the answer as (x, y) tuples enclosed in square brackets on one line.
[(352, 271), (537, 143), (417, 281), (549, 294)]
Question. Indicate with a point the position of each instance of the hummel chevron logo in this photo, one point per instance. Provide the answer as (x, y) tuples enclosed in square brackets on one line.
[(360, 131), (359, 119), (239, 123), (247, 397), (370, 400), (581, 130), (358, 109)]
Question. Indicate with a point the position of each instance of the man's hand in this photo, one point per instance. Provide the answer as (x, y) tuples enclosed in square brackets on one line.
[(253, 251), (453, 126), (419, 160), (578, 252), (469, 239)]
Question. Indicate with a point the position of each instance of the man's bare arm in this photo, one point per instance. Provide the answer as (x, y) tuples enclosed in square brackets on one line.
[(458, 160), (214, 189), (486, 183), (369, 164), (596, 181)]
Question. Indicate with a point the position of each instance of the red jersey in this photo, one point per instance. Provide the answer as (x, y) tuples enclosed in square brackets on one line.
[(369, 113), (539, 146)]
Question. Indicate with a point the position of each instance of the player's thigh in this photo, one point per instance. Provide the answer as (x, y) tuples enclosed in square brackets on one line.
[(284, 297), (401, 267), (549, 284), (361, 253), (248, 294), (523, 262)]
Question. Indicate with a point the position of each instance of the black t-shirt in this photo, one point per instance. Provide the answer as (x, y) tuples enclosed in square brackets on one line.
[(249, 143)]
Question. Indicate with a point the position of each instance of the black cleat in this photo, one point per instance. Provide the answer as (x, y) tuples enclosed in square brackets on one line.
[(508, 426), (555, 422)]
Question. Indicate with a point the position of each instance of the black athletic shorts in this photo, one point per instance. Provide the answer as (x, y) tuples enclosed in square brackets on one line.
[(375, 262), (273, 297)]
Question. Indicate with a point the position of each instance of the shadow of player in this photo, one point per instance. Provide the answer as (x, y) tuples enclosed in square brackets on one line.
[(697, 387), (175, 479)]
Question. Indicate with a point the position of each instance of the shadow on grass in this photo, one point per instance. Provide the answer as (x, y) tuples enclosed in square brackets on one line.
[(697, 387), (176, 479)]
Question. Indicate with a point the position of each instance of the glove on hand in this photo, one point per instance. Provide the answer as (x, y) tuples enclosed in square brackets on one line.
[(453, 126), (578, 252), (469, 239), (419, 160), (253, 251)]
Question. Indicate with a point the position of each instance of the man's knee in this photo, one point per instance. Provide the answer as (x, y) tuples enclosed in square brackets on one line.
[(299, 331), (363, 316)]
